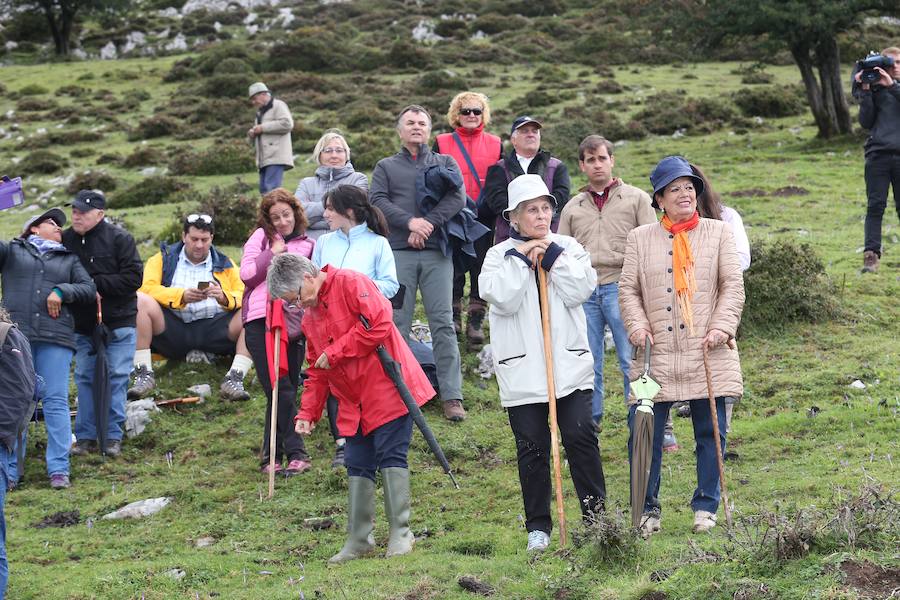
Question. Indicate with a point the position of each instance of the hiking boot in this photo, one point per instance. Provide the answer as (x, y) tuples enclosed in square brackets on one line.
[(113, 448), (59, 481), (670, 444), (232, 388), (683, 409), (870, 262), (83, 447), (144, 383), (474, 333), (704, 521), (297, 466), (454, 411), (338, 461), (650, 524), (457, 316), (538, 541)]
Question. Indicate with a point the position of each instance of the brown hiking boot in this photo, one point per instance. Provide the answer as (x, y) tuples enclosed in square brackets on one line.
[(454, 411), (457, 316), (474, 332), (870, 262)]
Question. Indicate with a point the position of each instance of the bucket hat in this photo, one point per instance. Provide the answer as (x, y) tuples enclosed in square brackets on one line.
[(668, 170), (524, 188), (257, 88)]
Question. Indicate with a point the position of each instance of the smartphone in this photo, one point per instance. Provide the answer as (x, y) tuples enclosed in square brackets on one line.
[(202, 285)]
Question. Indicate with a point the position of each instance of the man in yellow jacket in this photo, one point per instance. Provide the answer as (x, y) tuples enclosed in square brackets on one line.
[(190, 300)]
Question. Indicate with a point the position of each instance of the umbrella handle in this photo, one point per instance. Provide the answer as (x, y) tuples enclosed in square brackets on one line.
[(99, 309), (647, 355)]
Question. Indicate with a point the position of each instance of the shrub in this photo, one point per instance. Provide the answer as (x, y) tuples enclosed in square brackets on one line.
[(28, 104), (233, 66), (83, 152), (152, 190), (772, 101), (607, 539), (443, 79), (226, 86), (220, 159), (216, 54), (406, 54), (63, 138), (112, 158), (234, 209), (372, 145), (668, 111), (786, 283), (537, 98), (154, 127), (71, 90), (33, 89), (550, 74), (91, 180), (42, 162), (496, 23), (144, 156)]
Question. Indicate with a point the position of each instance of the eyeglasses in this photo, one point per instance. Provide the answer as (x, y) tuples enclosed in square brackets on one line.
[(194, 217), (334, 151), (470, 111)]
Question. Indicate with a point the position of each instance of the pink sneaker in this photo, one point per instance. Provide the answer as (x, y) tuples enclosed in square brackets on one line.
[(265, 469), (297, 466)]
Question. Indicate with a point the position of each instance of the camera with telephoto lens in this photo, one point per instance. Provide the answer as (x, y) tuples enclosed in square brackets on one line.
[(868, 64)]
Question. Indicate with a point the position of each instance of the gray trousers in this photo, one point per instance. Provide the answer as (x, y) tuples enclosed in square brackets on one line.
[(431, 273)]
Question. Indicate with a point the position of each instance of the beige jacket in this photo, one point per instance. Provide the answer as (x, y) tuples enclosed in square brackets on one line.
[(647, 300), (603, 233), (273, 145)]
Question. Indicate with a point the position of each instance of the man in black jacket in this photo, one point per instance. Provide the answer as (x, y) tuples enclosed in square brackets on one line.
[(879, 112), (110, 257)]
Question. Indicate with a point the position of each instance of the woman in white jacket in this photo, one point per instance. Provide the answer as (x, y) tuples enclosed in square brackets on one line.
[(508, 282)]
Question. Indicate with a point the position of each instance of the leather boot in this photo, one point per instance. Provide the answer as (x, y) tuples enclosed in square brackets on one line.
[(396, 508), (474, 333), (457, 316), (360, 521)]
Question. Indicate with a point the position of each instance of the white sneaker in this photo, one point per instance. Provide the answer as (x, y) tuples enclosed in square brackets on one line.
[(650, 524), (704, 521), (538, 540)]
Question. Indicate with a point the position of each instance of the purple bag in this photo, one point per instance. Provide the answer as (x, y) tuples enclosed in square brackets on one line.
[(10, 192)]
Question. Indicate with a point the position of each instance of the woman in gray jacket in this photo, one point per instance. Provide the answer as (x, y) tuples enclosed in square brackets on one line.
[(332, 154), (41, 279)]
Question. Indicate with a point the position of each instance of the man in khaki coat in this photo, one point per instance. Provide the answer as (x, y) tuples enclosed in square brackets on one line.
[(271, 137), (600, 217)]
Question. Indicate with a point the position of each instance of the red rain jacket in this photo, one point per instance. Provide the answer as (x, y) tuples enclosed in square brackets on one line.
[(367, 397)]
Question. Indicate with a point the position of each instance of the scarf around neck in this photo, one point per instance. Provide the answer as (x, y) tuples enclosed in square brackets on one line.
[(44, 245), (683, 266)]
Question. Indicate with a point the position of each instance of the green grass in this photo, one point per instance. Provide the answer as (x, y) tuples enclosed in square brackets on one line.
[(265, 549)]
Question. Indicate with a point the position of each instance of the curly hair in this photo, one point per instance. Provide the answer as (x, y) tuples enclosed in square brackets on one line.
[(264, 221), (466, 97)]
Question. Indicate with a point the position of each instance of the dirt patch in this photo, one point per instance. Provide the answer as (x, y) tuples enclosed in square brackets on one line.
[(750, 193), (656, 595), (790, 190), (60, 519), (871, 580), (473, 585)]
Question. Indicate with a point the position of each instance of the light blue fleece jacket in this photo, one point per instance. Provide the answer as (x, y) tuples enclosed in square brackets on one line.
[(362, 250)]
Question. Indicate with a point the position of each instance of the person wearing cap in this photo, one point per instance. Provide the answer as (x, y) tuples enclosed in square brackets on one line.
[(682, 290), (600, 217), (415, 237), (509, 283), (190, 299), (271, 137), (109, 255), (527, 157), (42, 282)]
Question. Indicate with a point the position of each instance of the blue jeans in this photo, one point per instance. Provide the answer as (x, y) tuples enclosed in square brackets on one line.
[(270, 177), (119, 356), (4, 566), (706, 496), (600, 310), (386, 446), (52, 362)]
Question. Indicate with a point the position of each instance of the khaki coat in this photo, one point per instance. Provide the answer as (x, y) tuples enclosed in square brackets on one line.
[(647, 301), (273, 145)]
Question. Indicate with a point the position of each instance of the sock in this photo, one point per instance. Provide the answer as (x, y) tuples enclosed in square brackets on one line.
[(241, 364), (340, 442), (143, 357)]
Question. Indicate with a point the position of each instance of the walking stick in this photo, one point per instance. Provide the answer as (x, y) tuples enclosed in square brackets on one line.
[(551, 397), (715, 420), (273, 414)]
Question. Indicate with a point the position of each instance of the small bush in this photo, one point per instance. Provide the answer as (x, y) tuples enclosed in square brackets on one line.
[(154, 127), (63, 138), (786, 283), (537, 98), (33, 90), (152, 190), (669, 111), (609, 86), (144, 156), (29, 104), (113, 158), (550, 74), (233, 66), (443, 79), (91, 180), (42, 162), (226, 158), (771, 101), (234, 211), (496, 23), (608, 539), (372, 145), (83, 152), (226, 86)]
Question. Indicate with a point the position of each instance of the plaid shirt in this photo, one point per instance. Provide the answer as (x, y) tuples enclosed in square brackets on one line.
[(188, 275)]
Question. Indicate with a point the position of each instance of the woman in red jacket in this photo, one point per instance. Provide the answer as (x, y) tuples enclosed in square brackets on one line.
[(474, 151)]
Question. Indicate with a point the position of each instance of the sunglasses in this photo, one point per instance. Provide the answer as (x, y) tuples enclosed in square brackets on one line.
[(193, 218), (470, 111)]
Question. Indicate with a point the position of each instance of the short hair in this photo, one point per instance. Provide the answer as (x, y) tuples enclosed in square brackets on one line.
[(413, 108), (892, 50), (286, 273), (200, 221), (593, 142), (331, 134), (264, 221), (461, 99)]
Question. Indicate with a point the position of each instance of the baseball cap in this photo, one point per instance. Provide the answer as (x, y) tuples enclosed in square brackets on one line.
[(54, 213), (523, 120), (86, 200)]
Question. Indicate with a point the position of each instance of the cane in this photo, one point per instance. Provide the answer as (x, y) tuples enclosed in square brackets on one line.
[(551, 397), (715, 420), (273, 414)]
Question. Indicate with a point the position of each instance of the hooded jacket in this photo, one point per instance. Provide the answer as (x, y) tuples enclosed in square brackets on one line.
[(161, 268), (255, 263), (311, 193)]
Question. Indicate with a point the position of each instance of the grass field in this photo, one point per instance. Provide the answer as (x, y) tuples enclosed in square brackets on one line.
[(790, 457)]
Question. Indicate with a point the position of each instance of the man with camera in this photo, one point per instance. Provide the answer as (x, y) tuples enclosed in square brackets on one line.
[(190, 300), (876, 87)]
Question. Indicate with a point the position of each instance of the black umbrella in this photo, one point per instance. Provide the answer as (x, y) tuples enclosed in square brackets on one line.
[(100, 383), (392, 370), (644, 388)]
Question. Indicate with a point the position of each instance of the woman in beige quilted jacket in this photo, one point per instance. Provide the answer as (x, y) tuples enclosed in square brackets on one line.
[(681, 289)]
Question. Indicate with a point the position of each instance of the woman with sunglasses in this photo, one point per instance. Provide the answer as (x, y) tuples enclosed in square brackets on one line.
[(280, 228), (474, 151), (332, 154), (41, 279)]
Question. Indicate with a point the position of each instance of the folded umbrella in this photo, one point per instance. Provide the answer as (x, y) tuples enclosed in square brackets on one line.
[(644, 389), (100, 383)]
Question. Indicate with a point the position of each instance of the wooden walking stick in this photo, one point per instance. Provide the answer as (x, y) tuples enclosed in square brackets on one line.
[(715, 420), (551, 397), (273, 414)]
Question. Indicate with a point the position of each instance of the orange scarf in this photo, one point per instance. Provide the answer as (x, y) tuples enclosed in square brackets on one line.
[(683, 266)]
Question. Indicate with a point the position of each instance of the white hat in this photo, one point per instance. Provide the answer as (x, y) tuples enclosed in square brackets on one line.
[(524, 188), (258, 88)]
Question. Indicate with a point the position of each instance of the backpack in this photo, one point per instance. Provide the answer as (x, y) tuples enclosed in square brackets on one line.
[(18, 387)]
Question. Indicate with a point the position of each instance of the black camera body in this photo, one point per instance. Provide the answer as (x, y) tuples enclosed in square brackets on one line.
[(868, 64)]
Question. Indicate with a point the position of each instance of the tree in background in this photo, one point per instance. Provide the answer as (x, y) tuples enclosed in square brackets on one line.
[(60, 15)]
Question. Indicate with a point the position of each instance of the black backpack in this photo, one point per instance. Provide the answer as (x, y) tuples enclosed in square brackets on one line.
[(18, 386)]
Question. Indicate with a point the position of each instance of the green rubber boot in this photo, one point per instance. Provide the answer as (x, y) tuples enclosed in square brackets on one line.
[(396, 508), (360, 521)]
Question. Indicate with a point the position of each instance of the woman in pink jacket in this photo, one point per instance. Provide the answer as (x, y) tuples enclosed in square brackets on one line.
[(281, 227)]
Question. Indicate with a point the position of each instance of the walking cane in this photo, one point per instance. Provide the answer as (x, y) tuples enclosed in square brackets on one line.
[(715, 420), (273, 414), (551, 397)]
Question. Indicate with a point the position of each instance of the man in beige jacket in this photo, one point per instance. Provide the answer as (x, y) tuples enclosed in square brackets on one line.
[(600, 217), (271, 137)]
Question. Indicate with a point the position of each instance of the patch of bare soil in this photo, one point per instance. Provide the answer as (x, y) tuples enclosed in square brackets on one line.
[(871, 580), (790, 190)]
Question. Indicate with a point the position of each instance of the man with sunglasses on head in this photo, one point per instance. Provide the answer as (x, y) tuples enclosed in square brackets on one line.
[(190, 300), (109, 255)]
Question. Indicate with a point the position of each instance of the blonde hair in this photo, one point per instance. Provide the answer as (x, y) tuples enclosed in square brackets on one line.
[(462, 98), (892, 50), (331, 134)]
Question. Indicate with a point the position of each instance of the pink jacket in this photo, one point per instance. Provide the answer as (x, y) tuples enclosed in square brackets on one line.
[(254, 266)]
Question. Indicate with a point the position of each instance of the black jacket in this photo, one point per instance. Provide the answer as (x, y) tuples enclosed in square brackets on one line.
[(879, 112), (110, 257), (17, 381), (496, 199), (29, 277)]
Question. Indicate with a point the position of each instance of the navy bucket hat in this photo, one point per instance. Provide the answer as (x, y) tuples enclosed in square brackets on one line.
[(668, 170)]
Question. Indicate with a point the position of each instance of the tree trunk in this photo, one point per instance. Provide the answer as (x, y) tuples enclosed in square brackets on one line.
[(829, 61), (60, 17), (803, 58), (58, 42)]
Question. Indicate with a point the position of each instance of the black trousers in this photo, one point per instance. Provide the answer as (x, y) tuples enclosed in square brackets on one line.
[(288, 443), (531, 428), (882, 173), (482, 245)]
